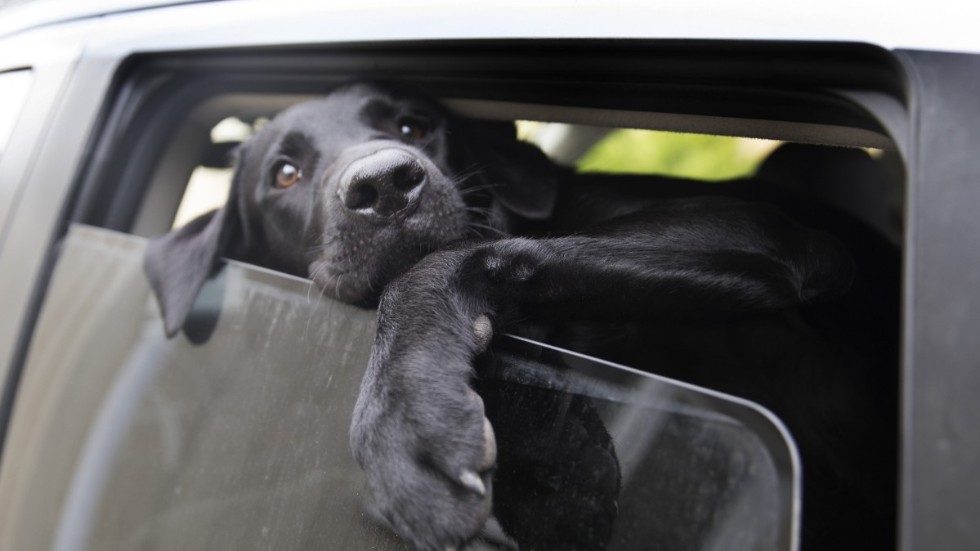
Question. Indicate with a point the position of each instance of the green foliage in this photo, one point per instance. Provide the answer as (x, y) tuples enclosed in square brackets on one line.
[(695, 156)]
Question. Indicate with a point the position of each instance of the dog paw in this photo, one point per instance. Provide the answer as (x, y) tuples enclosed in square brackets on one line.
[(419, 430), (482, 333), (428, 457)]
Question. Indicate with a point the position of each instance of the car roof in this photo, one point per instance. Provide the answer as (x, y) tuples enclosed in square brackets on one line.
[(946, 25), (20, 15)]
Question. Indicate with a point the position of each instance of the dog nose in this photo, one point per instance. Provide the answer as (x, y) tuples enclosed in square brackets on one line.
[(384, 182)]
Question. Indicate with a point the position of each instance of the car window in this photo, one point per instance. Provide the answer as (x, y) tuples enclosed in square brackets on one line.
[(14, 87), (133, 441), (242, 438), (207, 188), (695, 156), (641, 151)]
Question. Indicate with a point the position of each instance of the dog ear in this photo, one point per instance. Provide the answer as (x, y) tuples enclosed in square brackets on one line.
[(519, 175), (178, 263)]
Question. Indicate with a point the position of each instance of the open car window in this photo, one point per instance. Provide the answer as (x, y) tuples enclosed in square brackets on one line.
[(133, 441)]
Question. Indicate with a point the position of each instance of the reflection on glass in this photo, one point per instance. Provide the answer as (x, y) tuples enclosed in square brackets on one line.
[(242, 441), (595, 456)]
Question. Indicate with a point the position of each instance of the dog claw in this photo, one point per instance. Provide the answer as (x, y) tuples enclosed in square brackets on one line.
[(472, 481), (482, 332), (490, 445)]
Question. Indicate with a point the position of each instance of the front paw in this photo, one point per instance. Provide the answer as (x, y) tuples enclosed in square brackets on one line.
[(428, 454)]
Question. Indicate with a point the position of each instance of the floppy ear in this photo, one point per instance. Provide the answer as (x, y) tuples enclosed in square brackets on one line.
[(178, 263), (520, 176)]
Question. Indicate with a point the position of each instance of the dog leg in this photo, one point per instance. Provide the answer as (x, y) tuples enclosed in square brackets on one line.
[(417, 431)]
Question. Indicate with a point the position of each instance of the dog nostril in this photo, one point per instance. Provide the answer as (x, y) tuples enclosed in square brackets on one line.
[(383, 183), (361, 195), (408, 176)]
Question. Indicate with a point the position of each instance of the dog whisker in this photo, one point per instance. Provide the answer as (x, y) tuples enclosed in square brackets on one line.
[(322, 246), (483, 211), (313, 275), (462, 176), (491, 229), (477, 189)]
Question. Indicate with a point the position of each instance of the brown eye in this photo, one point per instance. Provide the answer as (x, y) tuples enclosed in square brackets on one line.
[(412, 129), (287, 175)]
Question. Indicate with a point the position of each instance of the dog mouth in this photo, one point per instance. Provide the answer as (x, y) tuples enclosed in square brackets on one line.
[(346, 285), (356, 273)]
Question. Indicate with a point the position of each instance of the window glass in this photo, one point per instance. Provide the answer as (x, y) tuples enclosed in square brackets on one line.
[(241, 441), (14, 87)]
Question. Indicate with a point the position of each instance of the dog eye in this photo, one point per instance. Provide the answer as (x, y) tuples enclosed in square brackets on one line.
[(287, 175), (412, 128)]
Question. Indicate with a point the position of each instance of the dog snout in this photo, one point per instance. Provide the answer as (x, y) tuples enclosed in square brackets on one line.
[(384, 183)]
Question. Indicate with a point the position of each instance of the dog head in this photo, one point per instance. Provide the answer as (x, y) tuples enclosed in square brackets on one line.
[(351, 190)]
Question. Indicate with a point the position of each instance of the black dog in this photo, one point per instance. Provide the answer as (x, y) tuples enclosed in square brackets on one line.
[(462, 231)]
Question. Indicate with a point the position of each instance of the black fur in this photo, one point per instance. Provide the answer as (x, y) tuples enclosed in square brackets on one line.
[(454, 223)]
